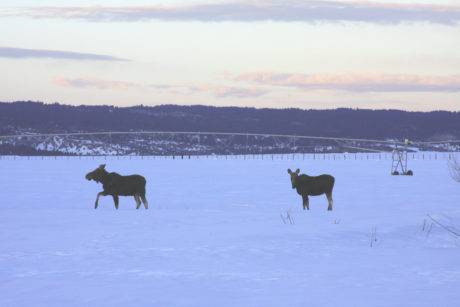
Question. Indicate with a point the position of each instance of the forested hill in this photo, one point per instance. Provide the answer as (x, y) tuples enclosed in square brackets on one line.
[(381, 124)]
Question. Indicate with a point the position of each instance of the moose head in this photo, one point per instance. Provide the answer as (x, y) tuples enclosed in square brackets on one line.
[(97, 174), (294, 176)]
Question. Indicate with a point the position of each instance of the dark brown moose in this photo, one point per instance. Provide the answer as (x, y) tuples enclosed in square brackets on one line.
[(116, 185), (313, 186)]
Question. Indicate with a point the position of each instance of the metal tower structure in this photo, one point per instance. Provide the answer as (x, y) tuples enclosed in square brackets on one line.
[(399, 160)]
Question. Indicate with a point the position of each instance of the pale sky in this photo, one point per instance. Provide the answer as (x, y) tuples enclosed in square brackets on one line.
[(307, 54)]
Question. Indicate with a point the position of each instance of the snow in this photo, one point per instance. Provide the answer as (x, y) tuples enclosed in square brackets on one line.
[(214, 235)]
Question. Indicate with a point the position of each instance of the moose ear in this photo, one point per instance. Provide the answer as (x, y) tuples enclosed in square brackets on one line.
[(289, 171), (102, 166), (297, 171)]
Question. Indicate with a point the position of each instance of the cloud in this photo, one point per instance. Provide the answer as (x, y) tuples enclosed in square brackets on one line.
[(353, 82), (216, 90), (96, 83), (229, 91), (356, 82), (21, 53), (219, 91), (257, 10), (239, 92)]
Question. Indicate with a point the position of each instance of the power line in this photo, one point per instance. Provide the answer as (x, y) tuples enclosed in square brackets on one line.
[(194, 133)]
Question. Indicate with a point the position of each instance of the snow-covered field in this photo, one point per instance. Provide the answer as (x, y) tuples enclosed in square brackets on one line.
[(214, 235)]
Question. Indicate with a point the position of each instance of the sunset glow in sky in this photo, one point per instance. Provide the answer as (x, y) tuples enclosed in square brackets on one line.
[(309, 54)]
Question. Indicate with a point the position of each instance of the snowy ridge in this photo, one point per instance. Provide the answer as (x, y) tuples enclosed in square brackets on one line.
[(195, 144)]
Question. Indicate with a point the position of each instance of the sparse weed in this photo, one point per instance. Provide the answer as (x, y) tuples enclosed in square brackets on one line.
[(287, 218)]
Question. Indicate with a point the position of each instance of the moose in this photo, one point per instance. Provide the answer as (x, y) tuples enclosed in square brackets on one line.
[(312, 185), (116, 185)]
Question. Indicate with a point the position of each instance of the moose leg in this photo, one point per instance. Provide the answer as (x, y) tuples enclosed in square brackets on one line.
[(115, 200), (144, 200), (330, 201), (97, 199), (138, 201), (305, 202)]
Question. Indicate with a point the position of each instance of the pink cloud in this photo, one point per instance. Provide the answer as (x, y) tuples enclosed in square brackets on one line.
[(356, 82)]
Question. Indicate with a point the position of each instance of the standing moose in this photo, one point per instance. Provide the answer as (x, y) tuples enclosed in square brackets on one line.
[(312, 185), (116, 185)]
